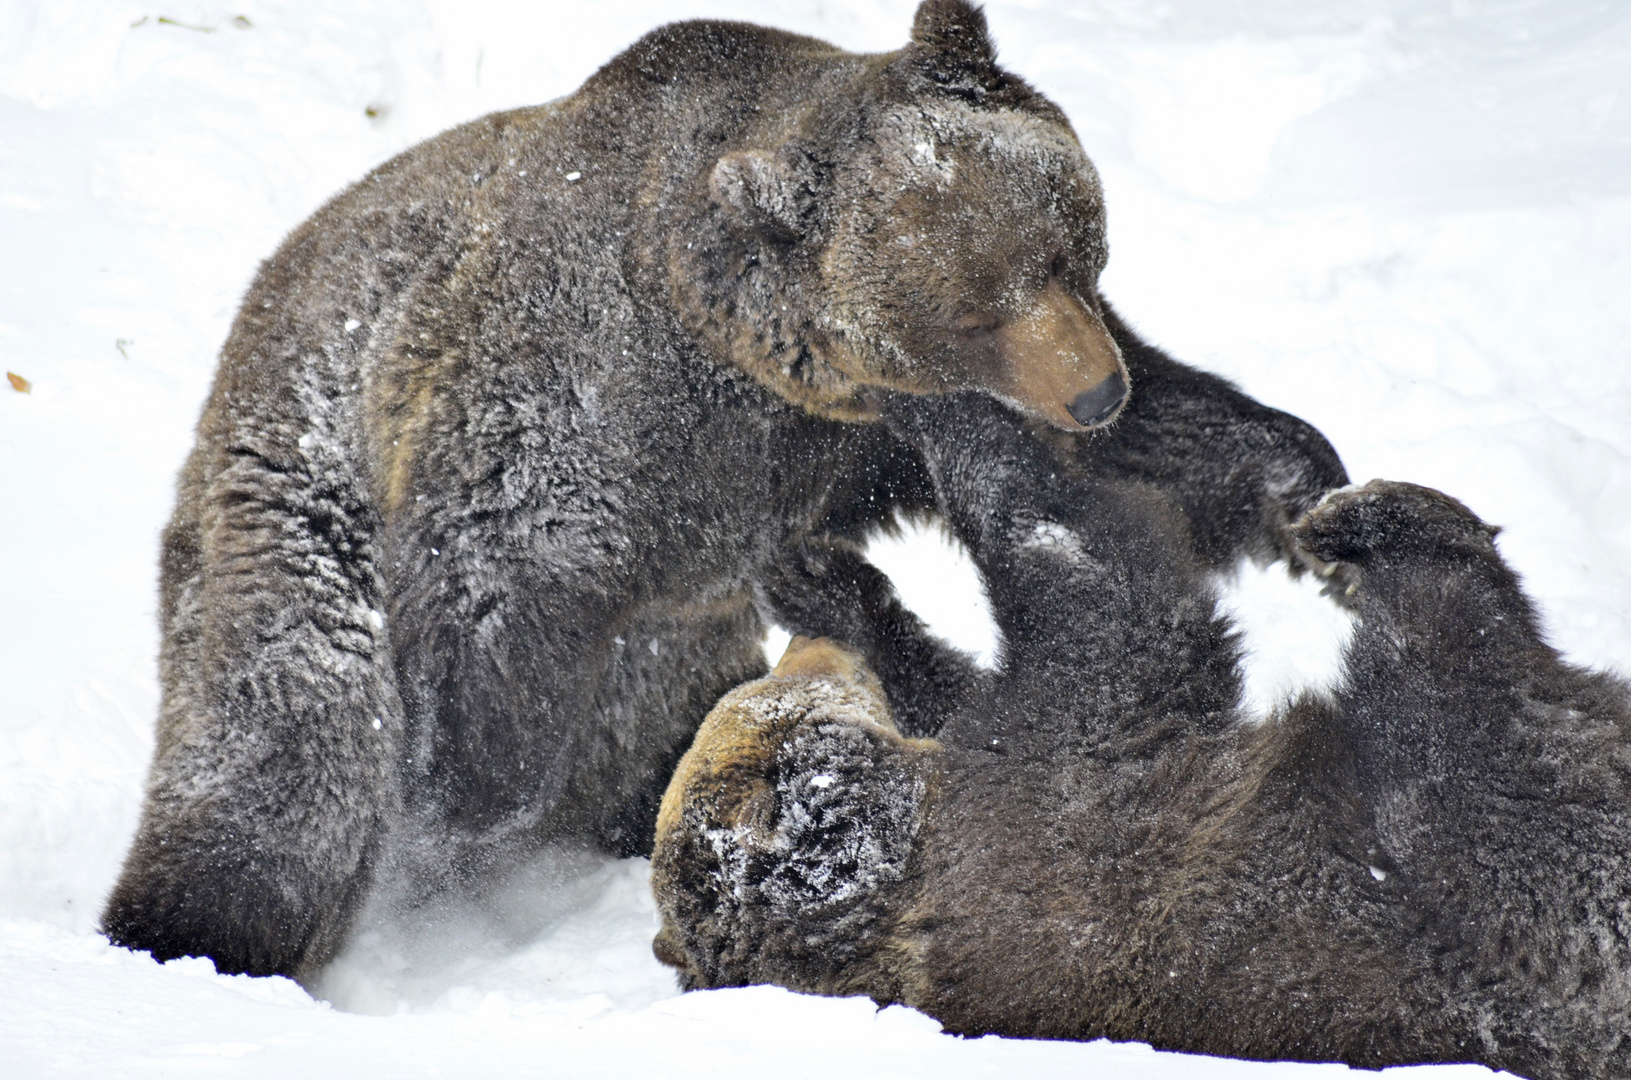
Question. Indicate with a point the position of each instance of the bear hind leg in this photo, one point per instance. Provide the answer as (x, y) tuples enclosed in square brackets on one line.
[(275, 767)]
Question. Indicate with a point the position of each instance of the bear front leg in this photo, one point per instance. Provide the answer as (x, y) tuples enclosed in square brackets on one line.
[(1241, 471), (1109, 628), (825, 587), (1447, 669), (275, 764), (786, 839), (1442, 623), (1499, 776)]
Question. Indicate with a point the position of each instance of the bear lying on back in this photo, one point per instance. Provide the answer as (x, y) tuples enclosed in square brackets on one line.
[(504, 436), (1432, 865)]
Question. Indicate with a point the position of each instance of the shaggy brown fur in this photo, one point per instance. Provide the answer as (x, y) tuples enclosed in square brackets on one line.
[(504, 437)]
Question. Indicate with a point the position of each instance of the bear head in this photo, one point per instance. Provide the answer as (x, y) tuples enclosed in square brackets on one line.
[(920, 222), (765, 861)]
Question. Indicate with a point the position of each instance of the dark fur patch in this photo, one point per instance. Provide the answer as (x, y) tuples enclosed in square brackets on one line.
[(1433, 865)]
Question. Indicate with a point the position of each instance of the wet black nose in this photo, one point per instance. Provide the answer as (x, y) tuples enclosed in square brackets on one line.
[(1095, 406)]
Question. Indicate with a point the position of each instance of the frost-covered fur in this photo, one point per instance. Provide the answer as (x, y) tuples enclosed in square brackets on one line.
[(789, 866), (504, 437), (1431, 865)]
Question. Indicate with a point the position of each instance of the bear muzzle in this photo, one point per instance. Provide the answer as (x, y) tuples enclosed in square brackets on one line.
[(1095, 406), (1062, 365)]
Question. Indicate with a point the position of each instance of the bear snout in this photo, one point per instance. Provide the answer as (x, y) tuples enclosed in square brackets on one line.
[(1095, 406), (1060, 363)]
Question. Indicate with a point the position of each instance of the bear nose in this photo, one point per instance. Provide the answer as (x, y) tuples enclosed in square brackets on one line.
[(1095, 406)]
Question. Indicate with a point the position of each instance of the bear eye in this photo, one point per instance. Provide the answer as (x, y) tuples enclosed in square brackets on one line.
[(1056, 268), (976, 324)]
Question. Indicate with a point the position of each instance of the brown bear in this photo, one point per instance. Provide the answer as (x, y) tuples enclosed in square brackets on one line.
[(1433, 864), (504, 436)]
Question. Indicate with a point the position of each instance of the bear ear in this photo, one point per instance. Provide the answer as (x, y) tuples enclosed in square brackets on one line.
[(952, 37), (757, 188)]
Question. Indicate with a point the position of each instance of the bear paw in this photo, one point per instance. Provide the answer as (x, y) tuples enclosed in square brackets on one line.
[(1384, 519), (824, 587)]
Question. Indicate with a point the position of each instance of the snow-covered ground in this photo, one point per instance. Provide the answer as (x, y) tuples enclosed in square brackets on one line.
[(1408, 222)]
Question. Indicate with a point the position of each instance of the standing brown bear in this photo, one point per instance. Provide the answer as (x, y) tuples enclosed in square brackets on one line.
[(1432, 864), (504, 436)]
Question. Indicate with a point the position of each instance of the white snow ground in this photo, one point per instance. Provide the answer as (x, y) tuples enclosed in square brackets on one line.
[(1408, 222)]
